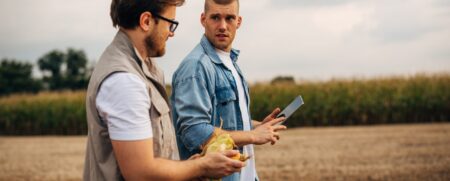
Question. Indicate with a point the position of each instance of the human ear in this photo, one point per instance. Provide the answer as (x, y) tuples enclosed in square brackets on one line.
[(145, 21), (239, 21), (203, 19)]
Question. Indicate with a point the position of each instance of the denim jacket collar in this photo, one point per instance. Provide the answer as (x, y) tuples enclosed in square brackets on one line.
[(211, 52)]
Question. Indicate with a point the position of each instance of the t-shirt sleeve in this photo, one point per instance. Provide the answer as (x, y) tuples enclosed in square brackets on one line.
[(123, 103)]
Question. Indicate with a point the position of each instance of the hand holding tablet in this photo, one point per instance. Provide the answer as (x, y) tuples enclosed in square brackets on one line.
[(291, 108)]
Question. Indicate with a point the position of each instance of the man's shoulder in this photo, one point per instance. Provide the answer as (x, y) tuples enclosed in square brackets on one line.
[(196, 56), (195, 63)]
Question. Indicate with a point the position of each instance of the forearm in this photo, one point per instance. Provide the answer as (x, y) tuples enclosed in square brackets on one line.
[(261, 134), (240, 138), (136, 162), (163, 169)]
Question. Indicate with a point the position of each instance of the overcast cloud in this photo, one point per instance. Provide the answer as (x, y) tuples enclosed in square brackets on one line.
[(318, 39)]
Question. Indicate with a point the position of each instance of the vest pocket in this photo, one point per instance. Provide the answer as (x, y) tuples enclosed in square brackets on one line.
[(162, 133)]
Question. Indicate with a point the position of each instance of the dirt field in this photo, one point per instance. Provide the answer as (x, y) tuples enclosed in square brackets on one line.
[(400, 152)]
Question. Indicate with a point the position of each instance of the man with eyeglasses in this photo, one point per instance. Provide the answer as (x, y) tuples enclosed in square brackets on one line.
[(208, 87), (130, 132)]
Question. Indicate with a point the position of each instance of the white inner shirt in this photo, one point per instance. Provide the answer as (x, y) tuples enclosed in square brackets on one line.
[(123, 103), (248, 172)]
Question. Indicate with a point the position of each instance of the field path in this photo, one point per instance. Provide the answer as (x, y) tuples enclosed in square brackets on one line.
[(394, 152)]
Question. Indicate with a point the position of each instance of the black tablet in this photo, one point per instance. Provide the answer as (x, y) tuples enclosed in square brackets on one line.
[(291, 108)]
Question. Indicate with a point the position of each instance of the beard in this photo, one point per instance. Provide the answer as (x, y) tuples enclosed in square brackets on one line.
[(155, 45)]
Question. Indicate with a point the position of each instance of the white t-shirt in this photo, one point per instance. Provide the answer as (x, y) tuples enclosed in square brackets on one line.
[(123, 103), (249, 171)]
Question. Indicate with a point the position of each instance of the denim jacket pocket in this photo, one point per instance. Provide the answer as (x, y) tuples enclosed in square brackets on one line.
[(226, 99), (225, 95)]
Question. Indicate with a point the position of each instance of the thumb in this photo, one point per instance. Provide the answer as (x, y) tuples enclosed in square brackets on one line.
[(272, 115), (275, 112)]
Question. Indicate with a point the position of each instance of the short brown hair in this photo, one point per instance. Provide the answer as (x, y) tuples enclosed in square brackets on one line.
[(126, 13), (221, 2)]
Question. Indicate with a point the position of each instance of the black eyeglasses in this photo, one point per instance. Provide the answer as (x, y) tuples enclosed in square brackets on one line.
[(173, 24)]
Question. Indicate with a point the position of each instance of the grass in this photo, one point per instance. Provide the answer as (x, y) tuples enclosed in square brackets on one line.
[(395, 152)]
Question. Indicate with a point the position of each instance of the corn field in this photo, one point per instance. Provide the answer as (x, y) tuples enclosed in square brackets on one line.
[(44, 113), (420, 98)]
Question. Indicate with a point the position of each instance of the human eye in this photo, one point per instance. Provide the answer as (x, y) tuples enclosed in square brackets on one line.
[(230, 18), (215, 17)]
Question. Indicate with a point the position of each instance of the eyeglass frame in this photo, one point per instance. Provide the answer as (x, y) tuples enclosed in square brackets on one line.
[(173, 23)]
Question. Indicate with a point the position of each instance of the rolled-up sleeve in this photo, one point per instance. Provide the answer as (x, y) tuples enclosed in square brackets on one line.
[(192, 108)]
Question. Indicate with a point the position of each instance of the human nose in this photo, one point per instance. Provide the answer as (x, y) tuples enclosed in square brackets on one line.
[(222, 25)]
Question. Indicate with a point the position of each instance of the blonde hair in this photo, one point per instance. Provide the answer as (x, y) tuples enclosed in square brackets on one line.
[(221, 2)]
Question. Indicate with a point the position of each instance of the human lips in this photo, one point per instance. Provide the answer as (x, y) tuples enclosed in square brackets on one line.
[(221, 36)]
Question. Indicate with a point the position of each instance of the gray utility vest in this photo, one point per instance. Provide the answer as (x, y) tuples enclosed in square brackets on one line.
[(120, 56)]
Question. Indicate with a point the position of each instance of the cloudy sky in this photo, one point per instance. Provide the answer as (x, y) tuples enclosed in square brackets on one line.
[(314, 39)]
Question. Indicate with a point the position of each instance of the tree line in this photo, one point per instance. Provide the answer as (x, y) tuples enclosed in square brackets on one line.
[(61, 70)]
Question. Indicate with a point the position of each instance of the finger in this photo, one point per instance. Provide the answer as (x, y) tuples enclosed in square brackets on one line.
[(236, 170), (227, 172), (230, 153), (243, 164), (236, 163), (277, 137), (276, 134), (276, 121), (272, 115), (273, 140), (279, 127), (275, 112)]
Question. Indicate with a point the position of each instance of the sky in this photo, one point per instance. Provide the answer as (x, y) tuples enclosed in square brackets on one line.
[(309, 40)]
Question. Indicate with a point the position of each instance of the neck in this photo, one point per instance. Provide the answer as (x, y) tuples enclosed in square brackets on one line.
[(137, 39), (223, 51)]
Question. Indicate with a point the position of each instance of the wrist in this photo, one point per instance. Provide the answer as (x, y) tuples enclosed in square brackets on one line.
[(252, 137), (202, 166)]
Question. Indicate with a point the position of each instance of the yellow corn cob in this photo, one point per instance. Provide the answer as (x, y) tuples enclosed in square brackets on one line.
[(223, 142)]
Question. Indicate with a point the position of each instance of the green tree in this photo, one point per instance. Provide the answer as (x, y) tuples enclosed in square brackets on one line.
[(283, 80), (52, 63), (65, 70), (16, 76), (76, 73)]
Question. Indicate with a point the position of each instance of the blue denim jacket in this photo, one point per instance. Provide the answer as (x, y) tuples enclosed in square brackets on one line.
[(203, 91)]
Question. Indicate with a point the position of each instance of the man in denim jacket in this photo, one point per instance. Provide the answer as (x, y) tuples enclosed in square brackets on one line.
[(208, 87)]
